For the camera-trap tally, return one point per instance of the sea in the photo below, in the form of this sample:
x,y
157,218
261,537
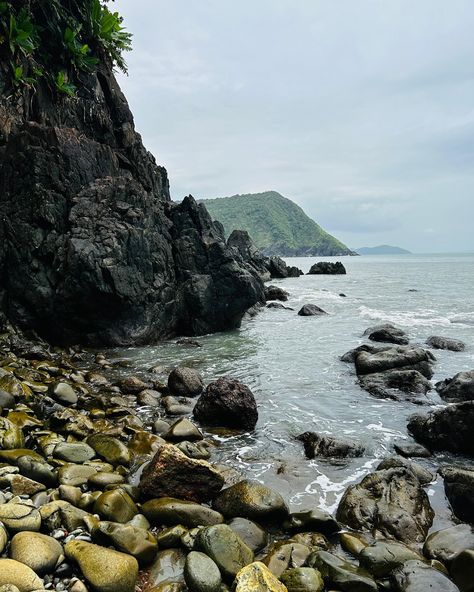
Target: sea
x,y
292,365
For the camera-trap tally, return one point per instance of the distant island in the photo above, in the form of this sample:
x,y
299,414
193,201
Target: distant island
x,y
382,250
276,224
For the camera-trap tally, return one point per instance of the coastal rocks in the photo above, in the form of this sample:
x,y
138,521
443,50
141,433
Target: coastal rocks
x,y
311,310
459,489
127,538
457,389
253,535
225,548
461,570
423,475
185,382
39,552
18,517
63,393
444,545
389,384
171,472
407,358
73,452
115,505
252,500
201,574
382,557
387,333
19,575
170,511
181,430
438,342
341,574
106,570
275,293
315,520
416,576
227,403
256,577
285,554
302,579
326,267
446,429
316,445
167,570
388,502
110,449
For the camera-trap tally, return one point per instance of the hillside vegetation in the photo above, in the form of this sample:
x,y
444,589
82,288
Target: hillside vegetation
x,y
276,224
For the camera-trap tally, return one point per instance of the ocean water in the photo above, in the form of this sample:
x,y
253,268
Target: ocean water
x,y
292,365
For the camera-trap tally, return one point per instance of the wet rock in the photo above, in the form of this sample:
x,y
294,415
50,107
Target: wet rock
x,y
104,479
11,436
382,557
19,575
311,310
416,576
251,499
171,511
160,427
387,333
445,544
115,505
459,489
132,385
279,306
37,470
423,475
188,342
390,502
316,445
171,537
7,401
39,552
275,293
185,382
183,429
225,548
172,472
457,389
446,429
313,540
20,485
341,574
410,449
227,403
284,555
168,568
105,570
110,449
178,405
354,542
302,579
351,355
438,342
395,358
127,538
462,570
389,384
253,535
74,452
193,450
63,393
201,574
312,520
256,577
75,475
18,517
327,267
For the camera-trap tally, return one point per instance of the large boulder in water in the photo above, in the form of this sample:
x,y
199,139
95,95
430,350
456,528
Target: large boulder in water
x,y
327,268
387,333
276,293
395,384
407,358
446,429
321,445
311,310
227,403
458,388
390,503
459,489
439,342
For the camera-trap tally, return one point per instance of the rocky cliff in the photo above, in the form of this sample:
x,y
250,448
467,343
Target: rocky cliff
x,y
92,249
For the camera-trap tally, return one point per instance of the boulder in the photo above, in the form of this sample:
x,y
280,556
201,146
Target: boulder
x,y
283,555
312,520
327,267
400,357
115,505
39,552
110,449
391,503
311,310
351,355
461,570
457,389
341,574
459,489
382,557
127,538
250,499
63,393
387,333
444,545
253,535
438,342
279,306
185,382
256,577
277,268
183,429
19,575
396,384
446,429
170,511
227,402
201,574
275,293
416,576
411,449
170,472
423,475
319,445
18,517
167,571
302,579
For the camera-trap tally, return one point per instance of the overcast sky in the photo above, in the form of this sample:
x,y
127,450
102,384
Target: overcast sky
x,y
360,111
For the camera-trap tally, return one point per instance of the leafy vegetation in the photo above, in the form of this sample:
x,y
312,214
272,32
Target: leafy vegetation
x,y
59,40
276,224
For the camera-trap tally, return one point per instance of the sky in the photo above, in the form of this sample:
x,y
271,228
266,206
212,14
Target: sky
x,y
361,111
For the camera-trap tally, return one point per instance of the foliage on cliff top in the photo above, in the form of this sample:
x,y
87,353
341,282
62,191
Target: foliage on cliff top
x,y
277,225
56,40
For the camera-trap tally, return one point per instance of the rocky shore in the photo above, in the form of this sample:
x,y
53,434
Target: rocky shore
x,y
107,483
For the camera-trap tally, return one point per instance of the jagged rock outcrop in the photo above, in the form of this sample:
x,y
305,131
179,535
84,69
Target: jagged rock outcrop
x,y
92,249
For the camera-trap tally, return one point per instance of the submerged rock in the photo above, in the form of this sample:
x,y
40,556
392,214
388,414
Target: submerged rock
x,y
275,293
406,358
387,333
457,389
327,267
438,342
311,310
329,447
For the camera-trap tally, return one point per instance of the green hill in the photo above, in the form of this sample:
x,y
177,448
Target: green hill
x,y
276,224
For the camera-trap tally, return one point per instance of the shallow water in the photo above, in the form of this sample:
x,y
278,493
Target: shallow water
x,y
292,365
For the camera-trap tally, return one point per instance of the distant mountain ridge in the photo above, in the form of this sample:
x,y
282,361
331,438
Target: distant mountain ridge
x,y
277,225
382,250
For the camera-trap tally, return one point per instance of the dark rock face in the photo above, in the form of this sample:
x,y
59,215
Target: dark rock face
x,y
389,502
459,488
387,333
227,403
446,429
326,267
326,446
457,389
438,342
91,247
276,293
311,310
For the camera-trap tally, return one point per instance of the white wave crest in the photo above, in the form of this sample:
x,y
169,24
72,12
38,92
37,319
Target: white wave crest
x,y
422,317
